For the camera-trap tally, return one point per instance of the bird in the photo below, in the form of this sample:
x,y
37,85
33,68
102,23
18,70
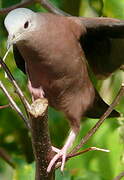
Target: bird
x,y
56,52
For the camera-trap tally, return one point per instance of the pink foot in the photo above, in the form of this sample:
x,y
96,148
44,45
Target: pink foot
x,y
62,153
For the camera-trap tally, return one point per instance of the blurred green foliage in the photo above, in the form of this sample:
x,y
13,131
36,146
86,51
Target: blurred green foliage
x,y
14,137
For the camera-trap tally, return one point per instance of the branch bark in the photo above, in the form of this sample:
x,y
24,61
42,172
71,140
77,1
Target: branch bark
x,y
40,139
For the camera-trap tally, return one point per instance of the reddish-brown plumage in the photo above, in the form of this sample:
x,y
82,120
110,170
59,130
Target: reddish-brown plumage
x,y
54,51
57,64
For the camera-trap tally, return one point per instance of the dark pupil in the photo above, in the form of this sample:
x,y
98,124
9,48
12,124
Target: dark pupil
x,y
26,25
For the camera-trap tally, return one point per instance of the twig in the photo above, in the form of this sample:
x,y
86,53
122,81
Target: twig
x,y
4,106
87,150
81,152
21,4
102,119
5,156
14,105
45,3
4,58
11,78
17,88
40,139
119,176
51,8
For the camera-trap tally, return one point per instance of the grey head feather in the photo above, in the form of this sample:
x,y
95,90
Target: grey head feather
x,y
18,22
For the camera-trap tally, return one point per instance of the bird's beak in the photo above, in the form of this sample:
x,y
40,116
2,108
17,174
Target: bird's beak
x,y
10,41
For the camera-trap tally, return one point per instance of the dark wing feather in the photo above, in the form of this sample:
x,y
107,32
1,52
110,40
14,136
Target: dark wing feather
x,y
19,59
103,44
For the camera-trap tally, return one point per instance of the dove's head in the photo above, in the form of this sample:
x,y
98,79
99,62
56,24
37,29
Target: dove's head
x,y
18,22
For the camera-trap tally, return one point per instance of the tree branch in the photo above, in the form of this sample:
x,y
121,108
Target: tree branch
x,y
39,129
14,105
19,5
51,8
100,122
4,106
87,150
45,3
17,88
5,156
40,139
40,134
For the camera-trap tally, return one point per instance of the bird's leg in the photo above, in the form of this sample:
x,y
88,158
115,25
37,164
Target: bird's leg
x,y
63,152
35,92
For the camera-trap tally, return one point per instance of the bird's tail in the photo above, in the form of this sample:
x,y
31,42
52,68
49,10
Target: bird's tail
x,y
99,107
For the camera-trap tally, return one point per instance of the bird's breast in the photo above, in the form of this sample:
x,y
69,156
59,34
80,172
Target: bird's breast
x,y
54,63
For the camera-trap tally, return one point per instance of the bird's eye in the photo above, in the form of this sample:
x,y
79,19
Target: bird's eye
x,y
26,25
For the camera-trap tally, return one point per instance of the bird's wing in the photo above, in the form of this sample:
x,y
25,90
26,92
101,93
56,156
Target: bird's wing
x,y
103,43
19,59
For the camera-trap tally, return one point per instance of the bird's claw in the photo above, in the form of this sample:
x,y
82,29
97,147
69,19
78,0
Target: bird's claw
x,y
60,154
